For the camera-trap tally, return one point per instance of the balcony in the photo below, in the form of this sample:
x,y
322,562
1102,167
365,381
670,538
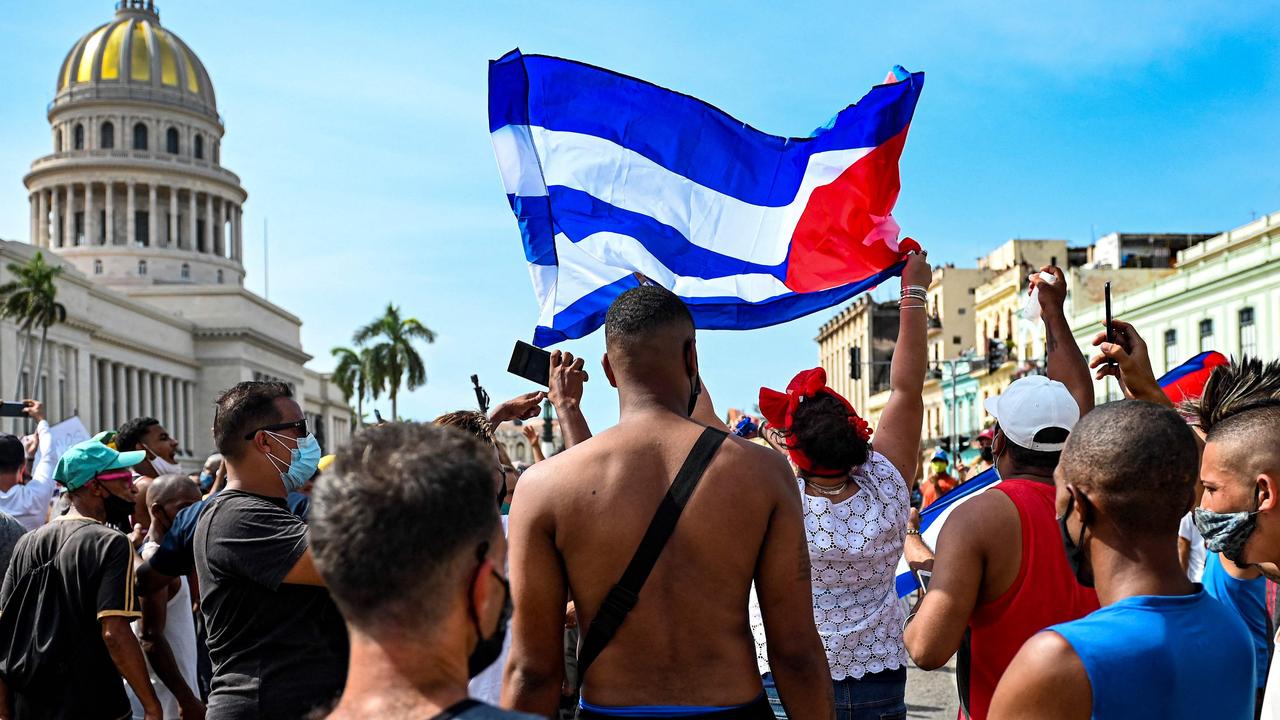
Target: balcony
x,y
934,323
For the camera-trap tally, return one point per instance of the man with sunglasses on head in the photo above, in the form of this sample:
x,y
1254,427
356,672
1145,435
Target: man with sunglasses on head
x,y
67,600
278,644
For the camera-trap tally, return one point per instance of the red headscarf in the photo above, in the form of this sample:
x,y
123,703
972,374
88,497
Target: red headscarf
x,y
780,410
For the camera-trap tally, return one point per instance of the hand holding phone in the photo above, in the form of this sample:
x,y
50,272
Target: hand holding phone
x,y
531,363
14,409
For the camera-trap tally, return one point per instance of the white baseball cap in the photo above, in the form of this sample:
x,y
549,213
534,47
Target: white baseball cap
x,y
1032,404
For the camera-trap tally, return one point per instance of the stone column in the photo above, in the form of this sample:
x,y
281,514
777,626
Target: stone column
x,y
170,404
191,219
180,402
238,231
110,394
155,407
110,238
134,404
55,222
153,220
130,230
52,388
69,223
144,394
208,222
93,407
188,393
34,209
90,216
173,218
42,219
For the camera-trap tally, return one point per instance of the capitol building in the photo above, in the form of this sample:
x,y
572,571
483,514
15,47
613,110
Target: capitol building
x,y
134,202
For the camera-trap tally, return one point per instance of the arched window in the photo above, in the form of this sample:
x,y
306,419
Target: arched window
x,y
1248,333
186,271
97,267
107,135
199,147
142,267
78,136
57,141
139,136
171,141
219,277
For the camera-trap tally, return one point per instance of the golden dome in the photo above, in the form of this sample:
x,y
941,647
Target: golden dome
x,y
132,57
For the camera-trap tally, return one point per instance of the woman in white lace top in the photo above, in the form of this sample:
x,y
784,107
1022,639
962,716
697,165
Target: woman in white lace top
x,y
856,500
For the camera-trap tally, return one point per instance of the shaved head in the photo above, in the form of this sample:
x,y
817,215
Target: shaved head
x,y
1137,461
168,488
642,315
1248,443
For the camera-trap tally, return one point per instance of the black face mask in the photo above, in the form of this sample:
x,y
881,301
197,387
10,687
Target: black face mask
x,y
987,456
489,648
1074,549
118,511
694,393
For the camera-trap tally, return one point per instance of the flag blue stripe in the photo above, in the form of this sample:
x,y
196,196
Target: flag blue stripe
x,y
1195,364
537,228
683,134
711,313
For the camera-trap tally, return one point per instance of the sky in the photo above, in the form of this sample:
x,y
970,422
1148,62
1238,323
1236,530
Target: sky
x,y
359,131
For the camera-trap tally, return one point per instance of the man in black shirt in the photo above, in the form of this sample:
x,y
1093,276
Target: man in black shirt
x,y
67,600
408,537
277,641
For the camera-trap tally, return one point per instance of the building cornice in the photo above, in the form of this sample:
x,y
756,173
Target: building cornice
x,y
141,165
250,335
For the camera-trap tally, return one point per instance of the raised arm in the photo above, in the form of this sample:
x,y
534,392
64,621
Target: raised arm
x,y
782,579
565,393
42,474
1066,362
1128,361
535,667
898,436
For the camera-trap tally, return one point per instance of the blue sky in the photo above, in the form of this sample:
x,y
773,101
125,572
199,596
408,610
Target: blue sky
x,y
359,130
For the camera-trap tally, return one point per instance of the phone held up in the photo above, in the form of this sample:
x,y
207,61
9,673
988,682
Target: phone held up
x,y
13,409
531,363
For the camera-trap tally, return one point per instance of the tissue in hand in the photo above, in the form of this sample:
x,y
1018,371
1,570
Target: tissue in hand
x,y
1031,311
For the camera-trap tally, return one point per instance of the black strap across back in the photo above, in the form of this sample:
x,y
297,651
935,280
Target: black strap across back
x,y
623,596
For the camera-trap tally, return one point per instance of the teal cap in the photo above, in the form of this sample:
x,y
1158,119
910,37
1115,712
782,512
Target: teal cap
x,y
84,460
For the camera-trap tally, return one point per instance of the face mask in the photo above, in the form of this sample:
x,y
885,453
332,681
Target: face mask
x,y
987,456
939,468
1075,551
1226,533
303,461
162,466
488,649
118,510
206,481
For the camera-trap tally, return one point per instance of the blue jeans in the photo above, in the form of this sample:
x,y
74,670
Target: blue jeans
x,y
879,696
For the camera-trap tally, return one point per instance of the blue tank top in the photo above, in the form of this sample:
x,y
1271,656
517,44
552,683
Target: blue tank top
x,y
1248,598
1156,656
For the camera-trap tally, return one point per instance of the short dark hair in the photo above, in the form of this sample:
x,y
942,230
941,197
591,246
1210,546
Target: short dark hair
x,y
405,508
1038,459
1138,460
12,453
468,421
637,313
129,436
242,409
821,429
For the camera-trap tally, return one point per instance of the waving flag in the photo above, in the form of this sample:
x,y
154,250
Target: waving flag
x,y
1185,381
612,178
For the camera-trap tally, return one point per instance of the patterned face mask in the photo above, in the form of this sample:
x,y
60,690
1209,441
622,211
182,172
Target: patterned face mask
x,y
1226,533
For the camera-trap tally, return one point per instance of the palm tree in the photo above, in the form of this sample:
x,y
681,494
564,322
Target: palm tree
x,y
394,359
30,299
357,375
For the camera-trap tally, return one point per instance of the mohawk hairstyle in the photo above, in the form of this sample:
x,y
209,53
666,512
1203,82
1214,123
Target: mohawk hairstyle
x,y
1249,384
468,421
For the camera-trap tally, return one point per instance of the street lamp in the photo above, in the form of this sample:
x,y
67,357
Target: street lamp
x,y
548,438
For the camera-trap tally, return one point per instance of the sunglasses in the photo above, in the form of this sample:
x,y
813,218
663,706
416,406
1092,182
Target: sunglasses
x,y
299,425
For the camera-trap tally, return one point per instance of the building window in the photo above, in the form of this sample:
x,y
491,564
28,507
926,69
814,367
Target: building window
x,y
78,137
219,277
955,339
107,136
962,311
186,271
1248,333
97,267
142,267
1170,350
1206,335
199,147
171,141
141,228
139,137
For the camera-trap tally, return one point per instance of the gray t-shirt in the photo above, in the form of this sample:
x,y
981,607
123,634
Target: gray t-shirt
x,y
10,531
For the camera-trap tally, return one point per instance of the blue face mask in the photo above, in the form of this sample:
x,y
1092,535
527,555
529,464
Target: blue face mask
x,y
303,461
206,481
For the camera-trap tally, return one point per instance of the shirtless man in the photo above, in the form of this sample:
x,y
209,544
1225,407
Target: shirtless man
x,y
579,517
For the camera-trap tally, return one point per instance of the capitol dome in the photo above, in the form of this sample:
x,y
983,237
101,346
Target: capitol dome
x,y
133,58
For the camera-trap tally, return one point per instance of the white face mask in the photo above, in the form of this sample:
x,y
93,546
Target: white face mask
x,y
162,466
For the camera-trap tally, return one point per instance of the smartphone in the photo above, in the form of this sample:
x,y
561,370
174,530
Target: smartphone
x,y
531,363
1106,299
923,577
13,409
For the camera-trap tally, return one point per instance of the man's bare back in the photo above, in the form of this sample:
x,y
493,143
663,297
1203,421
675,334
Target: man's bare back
x,y
577,521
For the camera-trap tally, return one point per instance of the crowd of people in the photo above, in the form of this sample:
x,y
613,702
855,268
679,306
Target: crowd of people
x,y
666,567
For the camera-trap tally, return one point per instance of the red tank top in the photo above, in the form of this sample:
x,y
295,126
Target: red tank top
x,y
1044,593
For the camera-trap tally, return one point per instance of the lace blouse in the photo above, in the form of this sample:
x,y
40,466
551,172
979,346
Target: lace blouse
x,y
854,548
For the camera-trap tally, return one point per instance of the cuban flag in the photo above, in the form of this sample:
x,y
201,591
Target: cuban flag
x,y
614,180
1183,382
